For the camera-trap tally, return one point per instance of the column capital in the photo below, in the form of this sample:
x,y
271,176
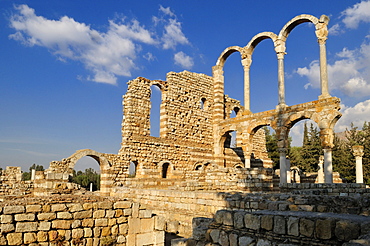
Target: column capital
x,y
246,62
282,150
358,150
321,32
327,138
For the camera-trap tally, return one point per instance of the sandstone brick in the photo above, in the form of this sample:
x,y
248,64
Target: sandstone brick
x,y
75,207
76,223
127,212
106,231
14,238
33,208
82,214
24,217
145,213
159,224
112,222
64,215
114,229
6,228
123,229
87,223
6,219
87,206
306,227
122,204
122,220
58,207
87,232
14,209
42,236
52,235
101,222
61,224
29,237
96,232
119,212
104,205
26,226
44,226
147,225
46,216
99,214
109,213
77,233
46,208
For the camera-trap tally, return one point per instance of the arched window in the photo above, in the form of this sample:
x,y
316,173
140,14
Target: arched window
x,y
203,104
165,167
132,169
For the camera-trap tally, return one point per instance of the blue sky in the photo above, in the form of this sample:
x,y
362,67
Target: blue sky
x,y
64,65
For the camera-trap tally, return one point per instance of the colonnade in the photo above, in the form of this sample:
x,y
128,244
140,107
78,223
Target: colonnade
x,y
326,130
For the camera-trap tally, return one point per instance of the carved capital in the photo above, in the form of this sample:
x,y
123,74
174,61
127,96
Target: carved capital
x,y
280,49
321,32
358,150
327,138
282,150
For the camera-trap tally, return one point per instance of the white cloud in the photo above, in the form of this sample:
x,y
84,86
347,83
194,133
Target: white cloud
x,y
356,115
335,30
183,60
360,12
350,73
149,56
166,11
173,35
107,55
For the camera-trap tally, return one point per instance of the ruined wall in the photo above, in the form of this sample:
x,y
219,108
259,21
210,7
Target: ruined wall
x,y
78,220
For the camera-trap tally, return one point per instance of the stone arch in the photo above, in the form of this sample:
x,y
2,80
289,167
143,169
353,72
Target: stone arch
x,y
290,25
226,53
249,48
165,168
105,166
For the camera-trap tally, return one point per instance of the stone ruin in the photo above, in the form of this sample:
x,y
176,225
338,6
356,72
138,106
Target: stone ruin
x,y
194,168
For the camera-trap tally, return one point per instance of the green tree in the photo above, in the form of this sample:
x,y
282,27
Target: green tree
x,y
85,178
343,160
27,175
311,149
272,148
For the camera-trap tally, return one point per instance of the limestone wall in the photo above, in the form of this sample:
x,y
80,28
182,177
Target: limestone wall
x,y
78,220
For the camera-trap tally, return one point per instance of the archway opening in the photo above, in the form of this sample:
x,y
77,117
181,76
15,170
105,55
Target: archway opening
x,y
263,77
302,67
165,169
306,149
203,104
234,77
155,110
132,169
271,146
87,173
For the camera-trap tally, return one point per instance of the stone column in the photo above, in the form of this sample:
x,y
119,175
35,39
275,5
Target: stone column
x,y
33,174
246,62
283,166
289,173
320,172
327,139
280,52
358,152
322,36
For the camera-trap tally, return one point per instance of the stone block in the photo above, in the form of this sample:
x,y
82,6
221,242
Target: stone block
x,y
159,223
134,225
224,238
29,237
306,227
87,223
44,226
77,233
347,230
42,236
14,209
104,205
145,213
228,218
64,215
88,232
293,226
172,226
14,238
52,235
135,210
99,214
239,219
127,212
33,208
244,241
6,219
82,214
324,228
267,222
252,221
87,206
106,231
61,224
122,204
114,229
58,207
97,231
112,222
101,222
123,229
24,217
109,213
26,226
75,207
46,216
279,225
6,228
